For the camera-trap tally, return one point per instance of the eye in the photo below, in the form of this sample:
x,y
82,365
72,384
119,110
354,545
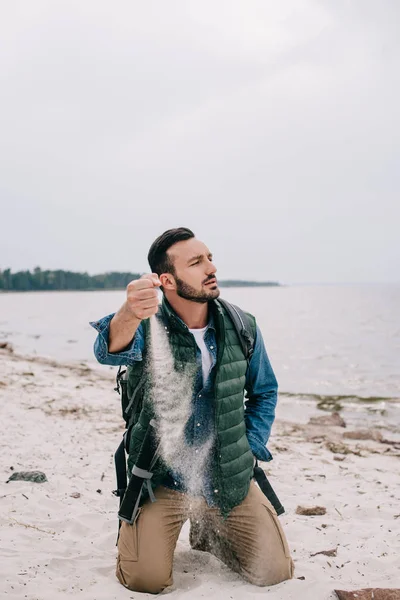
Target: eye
x,y
195,263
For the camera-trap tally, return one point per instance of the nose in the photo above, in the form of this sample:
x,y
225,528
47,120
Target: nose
x,y
211,268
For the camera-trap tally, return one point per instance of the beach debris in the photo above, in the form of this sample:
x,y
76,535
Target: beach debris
x,y
28,526
370,594
339,513
75,495
364,434
302,578
98,491
316,439
28,374
6,346
310,511
73,411
329,403
34,476
395,443
332,552
339,448
334,420
339,458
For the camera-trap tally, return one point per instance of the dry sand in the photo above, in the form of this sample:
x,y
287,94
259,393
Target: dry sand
x,y
64,420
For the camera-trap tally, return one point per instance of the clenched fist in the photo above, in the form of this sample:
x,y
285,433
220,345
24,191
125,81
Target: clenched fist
x,y
142,296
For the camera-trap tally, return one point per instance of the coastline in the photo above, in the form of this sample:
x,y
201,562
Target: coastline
x,y
64,419
223,284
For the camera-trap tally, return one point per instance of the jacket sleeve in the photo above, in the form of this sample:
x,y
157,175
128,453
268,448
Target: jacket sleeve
x,y
132,353
261,399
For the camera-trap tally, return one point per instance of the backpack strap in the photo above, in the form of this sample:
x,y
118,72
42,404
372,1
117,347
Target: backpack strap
x,y
242,325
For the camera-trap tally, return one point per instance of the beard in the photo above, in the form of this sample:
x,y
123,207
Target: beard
x,y
184,290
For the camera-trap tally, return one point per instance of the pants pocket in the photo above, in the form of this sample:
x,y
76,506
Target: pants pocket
x,y
279,530
128,541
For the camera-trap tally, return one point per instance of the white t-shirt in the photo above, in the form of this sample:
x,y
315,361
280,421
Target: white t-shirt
x,y
206,356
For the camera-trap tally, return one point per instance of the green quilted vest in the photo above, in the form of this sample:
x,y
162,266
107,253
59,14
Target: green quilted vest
x,y
234,460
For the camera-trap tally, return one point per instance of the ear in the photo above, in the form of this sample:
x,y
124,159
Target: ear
x,y
167,281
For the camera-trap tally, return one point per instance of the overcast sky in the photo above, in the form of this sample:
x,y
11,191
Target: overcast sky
x,y
271,129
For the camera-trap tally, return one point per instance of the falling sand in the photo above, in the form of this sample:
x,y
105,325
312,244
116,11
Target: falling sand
x,y
172,392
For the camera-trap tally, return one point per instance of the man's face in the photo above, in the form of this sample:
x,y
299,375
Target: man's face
x,y
194,271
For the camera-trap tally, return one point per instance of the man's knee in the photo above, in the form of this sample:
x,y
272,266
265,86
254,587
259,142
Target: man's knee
x,y
143,579
267,574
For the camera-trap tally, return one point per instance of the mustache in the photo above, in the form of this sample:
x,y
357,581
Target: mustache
x,y
210,278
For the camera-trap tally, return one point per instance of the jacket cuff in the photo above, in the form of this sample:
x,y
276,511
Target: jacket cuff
x,y
131,353
260,451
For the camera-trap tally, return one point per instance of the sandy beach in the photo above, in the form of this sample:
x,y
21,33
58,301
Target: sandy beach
x,y
58,537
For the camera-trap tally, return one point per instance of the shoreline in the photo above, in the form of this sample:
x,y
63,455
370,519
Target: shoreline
x,y
327,401
59,537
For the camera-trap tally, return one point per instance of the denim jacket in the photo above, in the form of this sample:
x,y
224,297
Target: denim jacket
x,y
261,386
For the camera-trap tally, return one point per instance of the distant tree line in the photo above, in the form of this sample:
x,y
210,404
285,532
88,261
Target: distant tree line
x,y
25,281
244,283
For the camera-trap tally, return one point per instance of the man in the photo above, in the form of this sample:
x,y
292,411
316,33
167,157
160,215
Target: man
x,y
231,517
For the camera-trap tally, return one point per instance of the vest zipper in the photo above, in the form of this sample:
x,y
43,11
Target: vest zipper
x,y
220,352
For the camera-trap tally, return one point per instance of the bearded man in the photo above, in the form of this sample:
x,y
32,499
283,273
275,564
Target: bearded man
x,y
230,516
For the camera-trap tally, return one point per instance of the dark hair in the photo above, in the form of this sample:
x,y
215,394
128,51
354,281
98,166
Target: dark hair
x,y
158,258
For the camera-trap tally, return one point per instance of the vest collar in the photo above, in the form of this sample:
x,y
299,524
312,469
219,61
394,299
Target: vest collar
x,y
176,322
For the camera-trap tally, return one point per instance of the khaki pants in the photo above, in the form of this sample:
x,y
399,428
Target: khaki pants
x,y
250,541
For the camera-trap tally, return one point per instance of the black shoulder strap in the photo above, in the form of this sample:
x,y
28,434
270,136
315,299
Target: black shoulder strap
x,y
242,326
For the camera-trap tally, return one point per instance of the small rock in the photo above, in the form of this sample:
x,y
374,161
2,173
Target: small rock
x,y
339,458
6,346
281,449
310,511
302,578
75,495
34,476
334,420
98,491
